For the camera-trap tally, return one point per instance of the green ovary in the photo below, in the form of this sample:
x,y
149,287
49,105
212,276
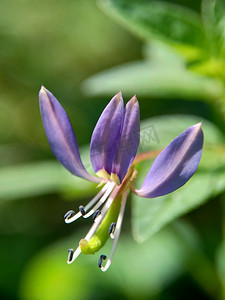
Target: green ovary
x,y
98,240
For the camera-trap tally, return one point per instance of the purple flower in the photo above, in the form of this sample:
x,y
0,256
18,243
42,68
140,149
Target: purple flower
x,y
113,147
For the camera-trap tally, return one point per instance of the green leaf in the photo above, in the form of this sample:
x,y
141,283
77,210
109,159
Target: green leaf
x,y
146,78
134,263
161,54
212,13
221,265
41,178
209,22
150,215
220,18
44,177
159,20
220,255
158,132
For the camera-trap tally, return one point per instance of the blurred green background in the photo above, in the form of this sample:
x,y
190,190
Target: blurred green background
x,y
172,56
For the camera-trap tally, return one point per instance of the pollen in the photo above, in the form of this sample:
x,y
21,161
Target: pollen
x,y
115,178
103,174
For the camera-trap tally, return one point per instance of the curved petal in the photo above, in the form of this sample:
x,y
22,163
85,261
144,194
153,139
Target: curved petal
x,y
129,140
175,165
106,135
60,135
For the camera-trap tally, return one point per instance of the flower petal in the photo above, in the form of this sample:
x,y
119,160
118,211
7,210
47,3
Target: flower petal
x,y
60,135
175,165
129,140
106,135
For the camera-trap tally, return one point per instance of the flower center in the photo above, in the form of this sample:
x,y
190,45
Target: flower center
x,y
107,221
101,235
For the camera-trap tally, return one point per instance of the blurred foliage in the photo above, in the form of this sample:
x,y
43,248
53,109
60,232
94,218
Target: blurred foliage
x,y
126,277
43,178
154,78
51,43
195,41
78,52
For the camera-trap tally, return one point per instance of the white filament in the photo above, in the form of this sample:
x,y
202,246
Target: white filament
x,y
103,212
90,204
102,200
116,233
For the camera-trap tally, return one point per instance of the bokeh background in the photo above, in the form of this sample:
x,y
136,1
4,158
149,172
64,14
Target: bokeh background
x,y
172,56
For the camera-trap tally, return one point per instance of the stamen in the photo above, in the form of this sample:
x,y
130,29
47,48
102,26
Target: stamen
x,y
110,187
88,206
69,215
74,255
101,258
82,210
112,229
70,255
95,199
96,214
117,232
104,211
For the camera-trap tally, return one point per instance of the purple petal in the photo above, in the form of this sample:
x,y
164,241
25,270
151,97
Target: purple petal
x,y
106,135
60,135
175,165
129,140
